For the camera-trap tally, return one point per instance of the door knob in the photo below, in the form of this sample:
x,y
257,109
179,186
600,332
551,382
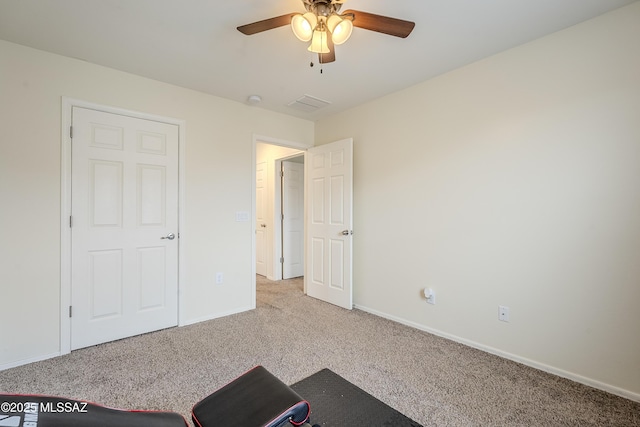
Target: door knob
x,y
169,236
346,232
263,225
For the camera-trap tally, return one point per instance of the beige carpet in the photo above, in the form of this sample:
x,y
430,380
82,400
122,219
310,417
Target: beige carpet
x,y
430,379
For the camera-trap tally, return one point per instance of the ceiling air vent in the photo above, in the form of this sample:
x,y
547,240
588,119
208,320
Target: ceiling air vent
x,y
308,103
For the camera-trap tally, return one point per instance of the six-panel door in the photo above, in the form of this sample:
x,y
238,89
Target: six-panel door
x,y
124,278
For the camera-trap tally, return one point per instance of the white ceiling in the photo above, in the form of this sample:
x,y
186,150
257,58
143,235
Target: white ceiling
x,y
195,44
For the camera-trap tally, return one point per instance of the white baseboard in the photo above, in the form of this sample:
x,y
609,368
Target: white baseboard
x,y
216,315
528,362
21,362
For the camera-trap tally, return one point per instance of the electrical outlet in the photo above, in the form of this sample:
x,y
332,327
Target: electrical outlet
x,y
219,278
503,313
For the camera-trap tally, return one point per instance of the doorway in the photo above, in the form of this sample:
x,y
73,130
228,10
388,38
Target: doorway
x,y
279,213
328,222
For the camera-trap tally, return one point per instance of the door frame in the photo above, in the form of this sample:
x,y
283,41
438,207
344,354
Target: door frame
x,y
65,206
273,141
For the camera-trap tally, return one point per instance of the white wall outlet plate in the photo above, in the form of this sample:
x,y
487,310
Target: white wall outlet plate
x,y
503,313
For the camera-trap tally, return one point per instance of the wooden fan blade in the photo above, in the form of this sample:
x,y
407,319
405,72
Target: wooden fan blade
x,y
266,24
381,24
325,58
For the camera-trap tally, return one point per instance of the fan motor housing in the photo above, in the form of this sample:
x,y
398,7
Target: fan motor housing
x,y
322,7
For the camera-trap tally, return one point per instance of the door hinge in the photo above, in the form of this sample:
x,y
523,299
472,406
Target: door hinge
x,y
71,132
70,221
70,311
281,260
281,173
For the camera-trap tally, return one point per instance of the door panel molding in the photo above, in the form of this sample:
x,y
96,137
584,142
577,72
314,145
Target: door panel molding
x,y
149,142
262,217
329,206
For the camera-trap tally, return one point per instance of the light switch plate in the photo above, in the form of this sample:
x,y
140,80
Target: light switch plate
x,y
242,216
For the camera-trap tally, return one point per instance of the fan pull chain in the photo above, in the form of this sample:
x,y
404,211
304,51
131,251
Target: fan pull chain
x,y
311,64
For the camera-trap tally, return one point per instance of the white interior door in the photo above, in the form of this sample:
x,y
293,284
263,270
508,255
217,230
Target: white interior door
x,y
124,244
261,218
329,187
292,219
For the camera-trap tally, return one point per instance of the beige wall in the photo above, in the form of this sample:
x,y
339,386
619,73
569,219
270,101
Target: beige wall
x,y
219,173
512,181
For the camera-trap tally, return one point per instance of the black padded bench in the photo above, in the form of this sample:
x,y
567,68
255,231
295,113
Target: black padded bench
x,y
255,399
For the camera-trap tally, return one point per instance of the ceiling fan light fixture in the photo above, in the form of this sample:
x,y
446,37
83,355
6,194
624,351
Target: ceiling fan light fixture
x,y
303,25
340,28
319,42
323,26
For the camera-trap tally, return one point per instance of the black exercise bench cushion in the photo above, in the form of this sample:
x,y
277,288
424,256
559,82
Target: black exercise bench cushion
x,y
20,410
255,399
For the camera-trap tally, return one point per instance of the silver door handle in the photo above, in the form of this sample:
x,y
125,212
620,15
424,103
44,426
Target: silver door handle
x,y
263,225
347,232
169,236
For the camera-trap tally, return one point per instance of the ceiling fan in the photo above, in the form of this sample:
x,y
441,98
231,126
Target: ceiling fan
x,y
325,27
